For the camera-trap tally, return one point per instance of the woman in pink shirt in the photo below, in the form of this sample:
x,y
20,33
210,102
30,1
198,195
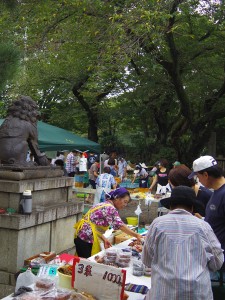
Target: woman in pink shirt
x,y
91,228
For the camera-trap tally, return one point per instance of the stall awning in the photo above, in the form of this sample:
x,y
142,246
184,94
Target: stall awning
x,y
52,138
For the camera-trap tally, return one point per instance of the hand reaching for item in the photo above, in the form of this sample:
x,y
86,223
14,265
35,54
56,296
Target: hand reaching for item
x,y
139,237
107,244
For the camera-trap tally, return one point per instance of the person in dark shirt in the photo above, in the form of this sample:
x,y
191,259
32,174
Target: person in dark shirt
x,y
179,176
161,178
211,176
60,163
113,166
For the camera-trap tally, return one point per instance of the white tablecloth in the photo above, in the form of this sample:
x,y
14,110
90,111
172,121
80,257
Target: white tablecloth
x,y
130,278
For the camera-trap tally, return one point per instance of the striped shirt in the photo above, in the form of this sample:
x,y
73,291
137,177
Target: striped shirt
x,y
181,250
70,163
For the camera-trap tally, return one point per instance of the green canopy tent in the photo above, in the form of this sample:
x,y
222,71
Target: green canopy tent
x,y
52,138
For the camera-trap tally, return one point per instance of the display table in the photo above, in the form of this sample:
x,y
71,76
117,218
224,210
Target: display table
x,y
130,278
148,201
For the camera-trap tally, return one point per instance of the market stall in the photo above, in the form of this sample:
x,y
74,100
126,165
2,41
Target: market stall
x,y
148,199
144,281
138,283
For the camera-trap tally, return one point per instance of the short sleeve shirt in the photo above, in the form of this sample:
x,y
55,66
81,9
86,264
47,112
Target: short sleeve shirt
x,y
93,168
162,177
104,216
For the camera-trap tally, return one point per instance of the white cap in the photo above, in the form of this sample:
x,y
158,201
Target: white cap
x,y
202,163
27,193
143,165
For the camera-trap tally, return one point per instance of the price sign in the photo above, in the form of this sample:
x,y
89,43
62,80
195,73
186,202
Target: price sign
x,y
48,270
102,281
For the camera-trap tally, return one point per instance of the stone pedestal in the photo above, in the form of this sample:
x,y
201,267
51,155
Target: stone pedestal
x,y
50,229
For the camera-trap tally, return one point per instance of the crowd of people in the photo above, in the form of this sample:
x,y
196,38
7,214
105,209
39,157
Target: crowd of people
x,y
184,247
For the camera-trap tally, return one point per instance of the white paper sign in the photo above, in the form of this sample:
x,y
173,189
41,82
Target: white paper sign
x,y
101,281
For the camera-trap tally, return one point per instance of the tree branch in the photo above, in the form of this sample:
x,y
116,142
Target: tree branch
x,y
55,24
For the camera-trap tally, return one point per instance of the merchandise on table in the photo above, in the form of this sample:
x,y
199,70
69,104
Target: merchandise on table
x,y
121,238
124,258
147,271
65,276
135,288
138,268
39,258
118,258
56,294
138,195
44,284
136,245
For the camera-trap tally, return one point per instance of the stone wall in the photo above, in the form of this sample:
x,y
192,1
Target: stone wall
x,y
149,213
50,229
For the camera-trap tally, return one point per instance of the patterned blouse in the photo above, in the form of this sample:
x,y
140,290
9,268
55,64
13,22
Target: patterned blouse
x,y
104,216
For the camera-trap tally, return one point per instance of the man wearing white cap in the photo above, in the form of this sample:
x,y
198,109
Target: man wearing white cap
x,y
211,176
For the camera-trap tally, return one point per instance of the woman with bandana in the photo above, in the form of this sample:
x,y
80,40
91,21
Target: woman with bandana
x,y
89,231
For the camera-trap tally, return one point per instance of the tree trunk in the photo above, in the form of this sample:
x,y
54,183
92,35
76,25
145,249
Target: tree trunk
x,y
91,113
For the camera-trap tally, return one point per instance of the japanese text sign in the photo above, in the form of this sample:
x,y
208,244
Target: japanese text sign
x,y
101,281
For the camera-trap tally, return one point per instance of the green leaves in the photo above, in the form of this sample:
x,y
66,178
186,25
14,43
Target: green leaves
x,y
139,72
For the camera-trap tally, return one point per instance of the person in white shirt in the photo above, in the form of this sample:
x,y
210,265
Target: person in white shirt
x,y
104,183
83,162
122,168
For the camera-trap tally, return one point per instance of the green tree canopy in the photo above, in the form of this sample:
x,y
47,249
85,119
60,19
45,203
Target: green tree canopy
x,y
146,75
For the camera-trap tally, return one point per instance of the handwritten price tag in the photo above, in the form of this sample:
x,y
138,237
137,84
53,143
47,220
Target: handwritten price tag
x,y
114,278
102,281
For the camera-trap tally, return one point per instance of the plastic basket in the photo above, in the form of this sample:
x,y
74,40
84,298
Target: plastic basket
x,y
132,221
117,179
123,184
143,190
79,178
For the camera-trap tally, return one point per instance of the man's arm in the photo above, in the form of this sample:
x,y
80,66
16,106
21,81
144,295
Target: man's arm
x,y
149,245
215,256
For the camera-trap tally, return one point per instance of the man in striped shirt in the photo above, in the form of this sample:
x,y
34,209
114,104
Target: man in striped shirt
x,y
181,250
71,163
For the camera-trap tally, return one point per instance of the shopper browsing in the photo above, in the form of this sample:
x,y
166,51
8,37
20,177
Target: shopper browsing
x,y
142,176
181,250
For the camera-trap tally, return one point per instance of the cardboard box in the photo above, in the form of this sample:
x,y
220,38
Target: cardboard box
x,y
121,238
47,256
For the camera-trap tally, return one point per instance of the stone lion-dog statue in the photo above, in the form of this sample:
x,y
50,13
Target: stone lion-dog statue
x,y
18,134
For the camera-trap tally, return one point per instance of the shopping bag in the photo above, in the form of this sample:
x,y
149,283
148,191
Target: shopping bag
x,y
98,193
101,281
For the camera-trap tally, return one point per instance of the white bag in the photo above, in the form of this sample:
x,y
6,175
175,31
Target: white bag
x,y
163,189
101,281
25,279
100,190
